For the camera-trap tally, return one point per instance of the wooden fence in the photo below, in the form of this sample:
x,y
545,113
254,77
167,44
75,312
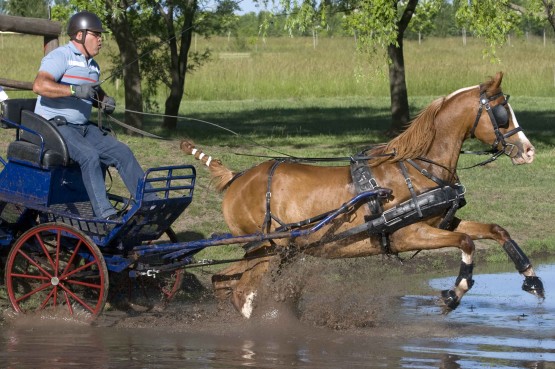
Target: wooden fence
x,y
50,30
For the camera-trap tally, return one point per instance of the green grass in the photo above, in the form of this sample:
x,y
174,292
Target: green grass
x,y
292,68
284,96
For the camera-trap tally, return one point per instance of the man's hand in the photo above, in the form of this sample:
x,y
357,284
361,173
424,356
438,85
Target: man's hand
x,y
108,104
86,91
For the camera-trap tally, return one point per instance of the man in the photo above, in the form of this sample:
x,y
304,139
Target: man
x,y
68,87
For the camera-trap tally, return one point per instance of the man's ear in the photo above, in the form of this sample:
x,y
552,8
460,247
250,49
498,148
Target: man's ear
x,y
79,35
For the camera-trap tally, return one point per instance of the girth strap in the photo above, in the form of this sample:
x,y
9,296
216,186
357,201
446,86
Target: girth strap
x,y
411,187
267,224
364,180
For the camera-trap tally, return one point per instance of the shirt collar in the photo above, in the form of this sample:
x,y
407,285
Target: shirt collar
x,y
74,48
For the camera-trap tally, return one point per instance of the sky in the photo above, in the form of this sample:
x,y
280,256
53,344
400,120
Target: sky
x,y
248,6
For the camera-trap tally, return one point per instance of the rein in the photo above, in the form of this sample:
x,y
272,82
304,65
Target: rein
x,y
493,113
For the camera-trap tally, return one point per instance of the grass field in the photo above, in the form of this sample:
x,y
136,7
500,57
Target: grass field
x,y
285,96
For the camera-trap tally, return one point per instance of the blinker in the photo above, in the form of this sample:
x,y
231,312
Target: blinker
x,y
501,116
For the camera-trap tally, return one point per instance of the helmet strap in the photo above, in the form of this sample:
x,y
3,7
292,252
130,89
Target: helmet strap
x,y
82,41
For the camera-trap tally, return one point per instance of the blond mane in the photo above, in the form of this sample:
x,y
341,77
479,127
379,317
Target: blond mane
x,y
416,139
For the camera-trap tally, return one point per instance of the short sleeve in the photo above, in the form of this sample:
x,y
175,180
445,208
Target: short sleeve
x,y
55,63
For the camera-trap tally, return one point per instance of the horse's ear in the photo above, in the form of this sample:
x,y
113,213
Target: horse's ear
x,y
497,80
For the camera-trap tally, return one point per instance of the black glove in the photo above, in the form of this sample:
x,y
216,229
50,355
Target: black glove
x,y
108,105
86,91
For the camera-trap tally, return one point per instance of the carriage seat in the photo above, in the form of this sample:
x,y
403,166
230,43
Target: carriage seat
x,y
11,110
27,147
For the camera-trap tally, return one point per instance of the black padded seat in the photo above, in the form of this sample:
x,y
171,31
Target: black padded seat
x,y
28,147
11,109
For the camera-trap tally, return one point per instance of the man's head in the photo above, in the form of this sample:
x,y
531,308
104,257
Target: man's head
x,y
85,28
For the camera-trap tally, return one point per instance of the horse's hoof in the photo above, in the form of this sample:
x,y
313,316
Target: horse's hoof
x,y
534,286
450,301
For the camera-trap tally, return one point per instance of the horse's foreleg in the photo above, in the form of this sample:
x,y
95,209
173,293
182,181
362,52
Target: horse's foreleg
x,y
477,231
240,282
424,237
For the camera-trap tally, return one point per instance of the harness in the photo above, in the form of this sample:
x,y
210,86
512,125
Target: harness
x,y
499,119
443,200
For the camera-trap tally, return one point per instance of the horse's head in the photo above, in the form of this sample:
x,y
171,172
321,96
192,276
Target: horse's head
x,y
496,124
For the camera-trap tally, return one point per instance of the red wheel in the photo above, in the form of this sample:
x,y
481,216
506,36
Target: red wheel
x,y
57,267
147,291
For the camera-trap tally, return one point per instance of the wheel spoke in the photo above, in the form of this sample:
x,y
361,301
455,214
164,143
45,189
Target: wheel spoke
x,y
73,255
35,264
68,303
76,298
30,276
51,294
35,291
73,272
46,253
84,284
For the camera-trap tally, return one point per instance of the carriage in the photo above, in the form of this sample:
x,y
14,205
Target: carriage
x,y
57,255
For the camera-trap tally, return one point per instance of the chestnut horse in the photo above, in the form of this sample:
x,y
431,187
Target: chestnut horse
x,y
278,193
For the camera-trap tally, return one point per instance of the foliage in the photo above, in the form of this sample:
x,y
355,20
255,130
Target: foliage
x,y
26,8
164,51
490,19
423,21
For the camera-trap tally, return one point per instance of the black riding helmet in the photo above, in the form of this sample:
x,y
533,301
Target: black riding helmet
x,y
84,21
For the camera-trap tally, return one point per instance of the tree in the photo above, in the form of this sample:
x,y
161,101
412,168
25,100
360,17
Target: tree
x,y
549,6
154,39
423,21
118,17
26,8
380,25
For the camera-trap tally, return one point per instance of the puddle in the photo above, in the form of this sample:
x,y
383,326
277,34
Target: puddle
x,y
496,326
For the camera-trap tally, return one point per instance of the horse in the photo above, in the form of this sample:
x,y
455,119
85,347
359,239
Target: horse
x,y
416,211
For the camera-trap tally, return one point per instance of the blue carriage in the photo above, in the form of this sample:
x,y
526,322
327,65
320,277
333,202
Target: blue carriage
x,y
55,252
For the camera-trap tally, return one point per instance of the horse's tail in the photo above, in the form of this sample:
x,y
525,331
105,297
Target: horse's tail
x,y
220,174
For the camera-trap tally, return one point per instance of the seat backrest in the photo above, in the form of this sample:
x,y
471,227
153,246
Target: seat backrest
x,y
11,109
53,140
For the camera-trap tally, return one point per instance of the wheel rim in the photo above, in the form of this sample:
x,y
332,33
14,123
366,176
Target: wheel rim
x,y
56,267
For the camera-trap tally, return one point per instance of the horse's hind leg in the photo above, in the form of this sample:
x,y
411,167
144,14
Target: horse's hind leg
x,y
477,231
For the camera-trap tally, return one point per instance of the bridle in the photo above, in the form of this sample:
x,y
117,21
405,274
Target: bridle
x,y
499,118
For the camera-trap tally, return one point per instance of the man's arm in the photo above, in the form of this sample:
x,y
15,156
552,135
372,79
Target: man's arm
x,y
46,85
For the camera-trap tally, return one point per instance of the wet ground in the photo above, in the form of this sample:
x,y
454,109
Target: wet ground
x,y
319,314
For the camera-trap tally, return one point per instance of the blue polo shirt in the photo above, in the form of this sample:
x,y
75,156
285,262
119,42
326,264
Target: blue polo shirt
x,y
68,66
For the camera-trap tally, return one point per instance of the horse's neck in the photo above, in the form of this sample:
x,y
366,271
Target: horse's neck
x,y
444,152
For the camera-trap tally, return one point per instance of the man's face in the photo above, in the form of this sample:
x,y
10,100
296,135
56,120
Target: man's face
x,y
93,42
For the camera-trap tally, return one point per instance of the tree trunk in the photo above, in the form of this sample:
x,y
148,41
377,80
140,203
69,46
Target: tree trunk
x,y
179,60
400,113
549,6
131,72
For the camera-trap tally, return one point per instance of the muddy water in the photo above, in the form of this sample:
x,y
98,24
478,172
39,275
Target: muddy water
x,y
497,325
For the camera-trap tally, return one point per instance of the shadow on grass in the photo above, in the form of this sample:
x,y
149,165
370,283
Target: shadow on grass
x,y
371,123
278,123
